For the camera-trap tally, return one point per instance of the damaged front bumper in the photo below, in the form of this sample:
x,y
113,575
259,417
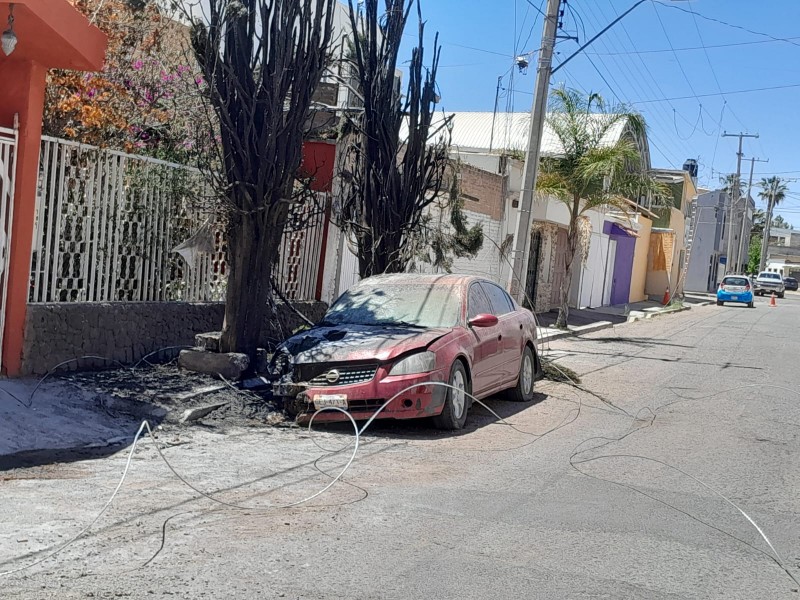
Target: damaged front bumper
x,y
419,400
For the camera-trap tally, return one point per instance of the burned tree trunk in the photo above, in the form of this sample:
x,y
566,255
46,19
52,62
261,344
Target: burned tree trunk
x,y
262,61
395,153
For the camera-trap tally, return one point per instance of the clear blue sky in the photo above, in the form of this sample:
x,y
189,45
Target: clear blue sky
x,y
636,62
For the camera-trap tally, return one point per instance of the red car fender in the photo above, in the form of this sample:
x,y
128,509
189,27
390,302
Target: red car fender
x,y
451,347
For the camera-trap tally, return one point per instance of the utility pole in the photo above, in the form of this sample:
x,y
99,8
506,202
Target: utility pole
x,y
531,171
735,196
746,199
768,224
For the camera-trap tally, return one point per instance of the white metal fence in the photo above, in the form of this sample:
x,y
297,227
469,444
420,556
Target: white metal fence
x,y
107,222
8,169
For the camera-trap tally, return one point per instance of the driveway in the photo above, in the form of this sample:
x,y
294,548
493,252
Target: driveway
x,y
624,492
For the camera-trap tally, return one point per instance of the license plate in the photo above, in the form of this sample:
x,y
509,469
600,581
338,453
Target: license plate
x,y
734,297
330,400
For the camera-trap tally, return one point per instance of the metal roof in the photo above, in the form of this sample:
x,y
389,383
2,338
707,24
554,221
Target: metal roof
x,y
478,131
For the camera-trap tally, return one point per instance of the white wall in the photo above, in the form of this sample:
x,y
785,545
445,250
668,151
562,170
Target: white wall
x,y
593,279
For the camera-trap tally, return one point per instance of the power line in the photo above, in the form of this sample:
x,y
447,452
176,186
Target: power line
x,y
729,93
675,54
648,75
692,48
633,81
732,25
541,12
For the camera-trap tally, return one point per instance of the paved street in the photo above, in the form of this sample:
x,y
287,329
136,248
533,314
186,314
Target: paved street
x,y
584,501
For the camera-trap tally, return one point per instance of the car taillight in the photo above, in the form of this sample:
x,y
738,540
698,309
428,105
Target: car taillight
x,y
747,288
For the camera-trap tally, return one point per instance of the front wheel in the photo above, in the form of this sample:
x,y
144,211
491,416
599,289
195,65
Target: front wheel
x,y
523,391
719,302
781,295
456,402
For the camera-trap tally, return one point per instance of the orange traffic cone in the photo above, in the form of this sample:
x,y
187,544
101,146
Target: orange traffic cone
x,y
665,300
772,300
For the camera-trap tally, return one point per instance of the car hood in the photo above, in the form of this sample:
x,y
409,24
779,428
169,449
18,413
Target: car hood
x,y
346,343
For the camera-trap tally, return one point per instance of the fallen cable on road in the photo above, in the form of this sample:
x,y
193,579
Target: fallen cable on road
x,y
355,444
574,461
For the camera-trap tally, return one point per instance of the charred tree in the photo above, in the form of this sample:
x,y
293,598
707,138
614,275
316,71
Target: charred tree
x,y
394,153
262,61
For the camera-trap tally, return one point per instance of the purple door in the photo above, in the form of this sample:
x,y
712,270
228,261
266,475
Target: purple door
x,y
623,263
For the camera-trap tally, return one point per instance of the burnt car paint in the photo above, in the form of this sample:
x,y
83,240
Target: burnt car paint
x,y
309,357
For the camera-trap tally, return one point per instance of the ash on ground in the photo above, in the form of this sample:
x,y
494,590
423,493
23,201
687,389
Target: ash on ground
x,y
177,390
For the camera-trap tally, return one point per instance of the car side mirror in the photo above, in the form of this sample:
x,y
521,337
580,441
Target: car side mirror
x,y
483,320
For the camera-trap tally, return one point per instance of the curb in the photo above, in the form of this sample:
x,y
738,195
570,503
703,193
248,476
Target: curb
x,y
575,331
659,313
600,325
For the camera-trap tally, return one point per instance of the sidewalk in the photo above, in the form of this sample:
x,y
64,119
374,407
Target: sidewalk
x,y
586,320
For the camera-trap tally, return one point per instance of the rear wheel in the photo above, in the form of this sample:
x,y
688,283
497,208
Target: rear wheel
x,y
750,305
719,302
456,402
523,391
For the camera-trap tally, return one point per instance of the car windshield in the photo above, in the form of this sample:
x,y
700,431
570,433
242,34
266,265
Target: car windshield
x,y
735,281
415,305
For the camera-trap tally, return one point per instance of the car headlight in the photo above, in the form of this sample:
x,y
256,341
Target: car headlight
x,y
422,362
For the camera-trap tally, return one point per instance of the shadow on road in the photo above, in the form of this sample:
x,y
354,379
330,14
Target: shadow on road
x,y
424,429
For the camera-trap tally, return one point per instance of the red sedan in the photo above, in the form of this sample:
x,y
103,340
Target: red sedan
x,y
391,332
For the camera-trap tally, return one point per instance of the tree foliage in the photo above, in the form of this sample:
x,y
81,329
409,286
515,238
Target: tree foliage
x,y
595,167
444,233
395,155
145,100
754,253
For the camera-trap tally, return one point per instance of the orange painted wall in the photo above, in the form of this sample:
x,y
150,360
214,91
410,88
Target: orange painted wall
x,y
22,93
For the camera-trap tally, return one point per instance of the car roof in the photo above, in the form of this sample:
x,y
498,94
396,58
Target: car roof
x,y
445,279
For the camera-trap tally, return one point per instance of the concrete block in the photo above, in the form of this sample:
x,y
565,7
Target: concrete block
x,y
229,365
208,341
198,412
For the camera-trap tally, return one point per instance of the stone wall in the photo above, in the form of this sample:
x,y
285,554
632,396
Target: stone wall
x,y
127,331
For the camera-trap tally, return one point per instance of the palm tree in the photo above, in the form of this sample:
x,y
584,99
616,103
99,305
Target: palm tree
x,y
772,186
759,219
773,192
589,172
730,184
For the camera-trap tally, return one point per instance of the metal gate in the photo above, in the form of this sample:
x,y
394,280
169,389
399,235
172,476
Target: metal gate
x,y
8,168
533,270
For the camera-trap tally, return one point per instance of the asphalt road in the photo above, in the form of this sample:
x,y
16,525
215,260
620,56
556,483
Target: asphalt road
x,y
628,492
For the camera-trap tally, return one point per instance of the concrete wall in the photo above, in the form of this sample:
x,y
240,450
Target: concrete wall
x,y
658,278
127,331
639,272
707,241
678,225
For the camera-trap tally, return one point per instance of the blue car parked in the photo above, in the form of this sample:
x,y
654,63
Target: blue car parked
x,y
735,288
